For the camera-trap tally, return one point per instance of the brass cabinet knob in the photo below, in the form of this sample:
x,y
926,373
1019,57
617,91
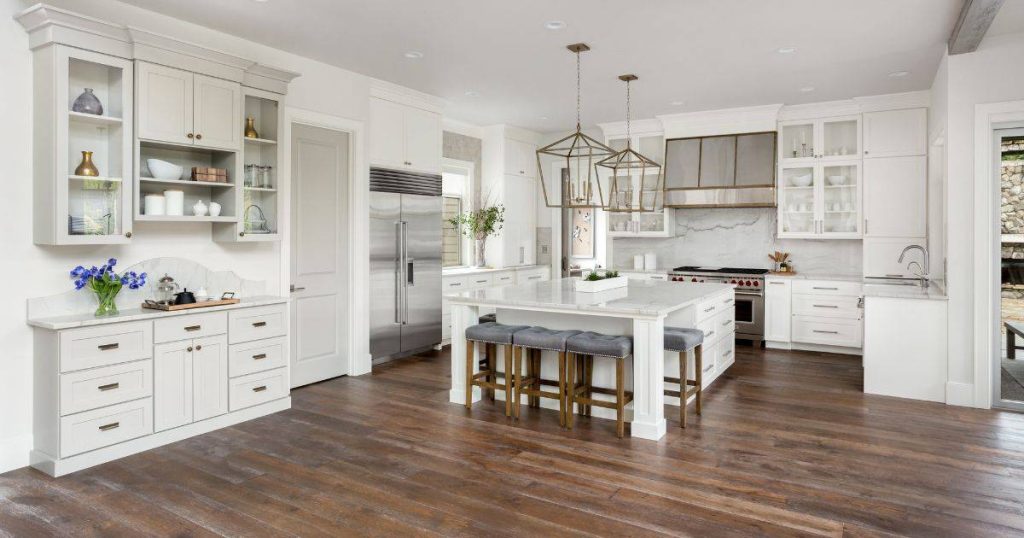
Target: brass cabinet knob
x,y
199,137
128,235
189,349
241,234
199,348
190,136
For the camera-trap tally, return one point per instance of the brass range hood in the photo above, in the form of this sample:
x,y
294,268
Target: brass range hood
x,y
731,170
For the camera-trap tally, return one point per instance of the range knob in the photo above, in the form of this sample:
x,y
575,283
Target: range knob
x,y
733,281
756,283
694,279
749,284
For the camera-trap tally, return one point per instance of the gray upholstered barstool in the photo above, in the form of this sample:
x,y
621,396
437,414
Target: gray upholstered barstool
x,y
683,341
534,341
490,333
590,345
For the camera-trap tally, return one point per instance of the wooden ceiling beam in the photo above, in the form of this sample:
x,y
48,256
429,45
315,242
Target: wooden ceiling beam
x,y
975,18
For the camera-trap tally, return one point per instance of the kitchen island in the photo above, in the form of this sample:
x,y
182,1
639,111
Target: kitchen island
x,y
643,310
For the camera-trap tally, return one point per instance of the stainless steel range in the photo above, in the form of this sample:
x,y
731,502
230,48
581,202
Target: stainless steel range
x,y
749,285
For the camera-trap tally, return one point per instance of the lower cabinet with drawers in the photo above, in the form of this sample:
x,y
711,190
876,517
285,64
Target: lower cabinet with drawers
x,y
105,389
467,281
814,314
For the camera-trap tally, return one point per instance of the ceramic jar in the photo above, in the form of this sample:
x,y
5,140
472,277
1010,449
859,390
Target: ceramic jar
x,y
199,209
88,103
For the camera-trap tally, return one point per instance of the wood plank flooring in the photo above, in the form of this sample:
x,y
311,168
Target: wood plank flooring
x,y
787,446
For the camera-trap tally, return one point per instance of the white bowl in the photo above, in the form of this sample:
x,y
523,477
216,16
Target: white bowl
x,y
802,181
163,169
836,180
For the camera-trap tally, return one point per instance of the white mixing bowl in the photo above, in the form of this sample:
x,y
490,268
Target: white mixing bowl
x,y
163,169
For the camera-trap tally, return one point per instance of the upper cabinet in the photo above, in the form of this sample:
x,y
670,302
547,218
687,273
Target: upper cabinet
x,y
895,196
404,137
181,107
837,138
647,223
82,146
896,133
520,158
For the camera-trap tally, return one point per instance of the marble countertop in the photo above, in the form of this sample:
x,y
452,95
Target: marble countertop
x,y
934,292
136,314
638,299
820,276
459,271
649,271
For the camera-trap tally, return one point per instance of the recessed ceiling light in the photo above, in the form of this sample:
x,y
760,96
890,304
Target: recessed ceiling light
x,y
786,50
898,74
676,103
414,55
471,93
554,25
543,117
807,89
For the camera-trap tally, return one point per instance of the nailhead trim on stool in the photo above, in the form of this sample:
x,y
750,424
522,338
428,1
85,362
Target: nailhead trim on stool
x,y
585,347
490,333
538,339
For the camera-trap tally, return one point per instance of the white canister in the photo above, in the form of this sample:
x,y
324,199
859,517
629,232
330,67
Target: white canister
x,y
650,261
175,202
638,262
154,204
199,209
214,209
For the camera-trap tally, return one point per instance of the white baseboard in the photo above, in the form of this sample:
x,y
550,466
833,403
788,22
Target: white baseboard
x,y
961,394
14,453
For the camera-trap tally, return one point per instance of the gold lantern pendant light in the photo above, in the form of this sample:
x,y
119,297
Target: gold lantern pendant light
x,y
579,184
627,163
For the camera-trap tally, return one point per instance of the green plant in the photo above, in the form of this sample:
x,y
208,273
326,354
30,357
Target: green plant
x,y
594,275
611,274
480,224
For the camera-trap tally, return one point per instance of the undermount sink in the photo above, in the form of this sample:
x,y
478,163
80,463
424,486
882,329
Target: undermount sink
x,y
896,282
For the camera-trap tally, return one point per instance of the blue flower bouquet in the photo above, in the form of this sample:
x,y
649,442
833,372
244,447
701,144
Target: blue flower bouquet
x,y
106,284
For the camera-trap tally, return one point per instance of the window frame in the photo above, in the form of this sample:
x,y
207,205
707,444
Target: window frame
x,y
465,193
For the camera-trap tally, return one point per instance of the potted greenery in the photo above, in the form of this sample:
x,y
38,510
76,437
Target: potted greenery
x,y
479,225
600,281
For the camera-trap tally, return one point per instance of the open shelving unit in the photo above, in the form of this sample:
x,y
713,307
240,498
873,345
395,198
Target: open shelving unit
x,y
187,157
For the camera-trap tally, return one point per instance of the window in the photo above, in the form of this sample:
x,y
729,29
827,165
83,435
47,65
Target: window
x,y
456,193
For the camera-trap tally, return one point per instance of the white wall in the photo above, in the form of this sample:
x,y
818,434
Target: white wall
x,y
38,271
986,76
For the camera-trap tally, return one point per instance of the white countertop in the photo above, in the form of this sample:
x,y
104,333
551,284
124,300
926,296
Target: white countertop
x,y
934,292
820,276
459,271
659,271
638,299
137,314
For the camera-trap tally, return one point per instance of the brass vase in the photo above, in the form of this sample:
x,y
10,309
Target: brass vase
x,y
250,128
87,168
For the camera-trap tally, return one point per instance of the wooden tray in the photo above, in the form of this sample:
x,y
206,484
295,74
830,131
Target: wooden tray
x,y
201,304
782,273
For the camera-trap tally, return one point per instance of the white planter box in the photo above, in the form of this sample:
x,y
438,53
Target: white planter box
x,y
591,286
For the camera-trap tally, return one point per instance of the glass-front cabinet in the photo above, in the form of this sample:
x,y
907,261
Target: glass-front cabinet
x,y
641,224
826,139
820,200
83,148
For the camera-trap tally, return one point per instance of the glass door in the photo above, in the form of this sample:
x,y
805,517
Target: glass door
x,y
798,204
841,199
840,138
798,142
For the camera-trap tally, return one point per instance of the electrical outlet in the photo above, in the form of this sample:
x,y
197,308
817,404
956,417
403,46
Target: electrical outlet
x,y
543,249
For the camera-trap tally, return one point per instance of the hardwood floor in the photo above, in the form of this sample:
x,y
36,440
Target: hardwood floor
x,y
787,445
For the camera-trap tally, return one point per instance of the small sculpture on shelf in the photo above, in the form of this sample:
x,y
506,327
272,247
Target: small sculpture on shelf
x,y
87,168
88,103
250,128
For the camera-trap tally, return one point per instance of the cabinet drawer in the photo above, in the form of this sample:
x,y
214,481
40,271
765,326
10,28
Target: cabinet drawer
x,y
258,356
718,326
190,326
254,389
829,332
478,281
503,279
105,426
709,360
827,306
454,284
827,287
98,387
541,274
726,355
90,347
256,323
712,306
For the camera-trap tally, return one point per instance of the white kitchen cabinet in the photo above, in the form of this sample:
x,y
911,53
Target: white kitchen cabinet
x,y
645,223
182,107
404,137
777,310
520,158
518,234
820,200
895,133
895,196
172,391
210,377
905,351
821,139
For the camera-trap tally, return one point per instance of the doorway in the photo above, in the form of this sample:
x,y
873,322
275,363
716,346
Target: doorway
x,y
319,257
1009,169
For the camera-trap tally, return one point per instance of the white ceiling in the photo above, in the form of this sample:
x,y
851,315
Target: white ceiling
x,y
706,53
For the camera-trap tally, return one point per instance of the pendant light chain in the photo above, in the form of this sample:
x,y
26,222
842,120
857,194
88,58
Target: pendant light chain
x,y
628,137
578,89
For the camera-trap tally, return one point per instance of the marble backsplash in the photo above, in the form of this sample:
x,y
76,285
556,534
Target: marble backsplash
x,y
739,237
187,274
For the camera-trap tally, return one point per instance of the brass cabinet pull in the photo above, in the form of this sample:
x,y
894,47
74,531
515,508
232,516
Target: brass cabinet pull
x,y
259,324
192,328
824,288
709,309
109,386
708,368
108,347
260,388
726,322
826,332
260,356
727,353
533,277
111,426
826,306
453,284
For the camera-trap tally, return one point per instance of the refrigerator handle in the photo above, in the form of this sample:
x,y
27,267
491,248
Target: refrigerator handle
x,y
410,271
399,251
407,267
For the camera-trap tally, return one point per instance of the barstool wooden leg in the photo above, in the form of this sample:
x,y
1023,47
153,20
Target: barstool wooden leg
x,y
620,397
517,359
561,388
508,380
588,378
491,351
469,374
698,362
683,388
570,390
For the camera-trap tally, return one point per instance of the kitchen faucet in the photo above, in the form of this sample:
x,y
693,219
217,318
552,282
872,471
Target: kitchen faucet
x,y
922,274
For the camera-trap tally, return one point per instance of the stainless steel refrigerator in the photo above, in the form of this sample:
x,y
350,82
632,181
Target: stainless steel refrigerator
x,y
405,262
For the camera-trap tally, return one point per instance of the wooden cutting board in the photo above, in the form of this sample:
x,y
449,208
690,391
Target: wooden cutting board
x,y
200,304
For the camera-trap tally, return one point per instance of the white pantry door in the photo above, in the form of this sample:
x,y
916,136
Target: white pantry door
x,y
319,253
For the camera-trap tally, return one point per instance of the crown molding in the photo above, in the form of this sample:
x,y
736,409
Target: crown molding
x,y
649,126
48,25
823,109
461,127
390,91
894,101
720,122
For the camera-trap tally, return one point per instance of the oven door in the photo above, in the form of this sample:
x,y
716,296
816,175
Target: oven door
x,y
749,316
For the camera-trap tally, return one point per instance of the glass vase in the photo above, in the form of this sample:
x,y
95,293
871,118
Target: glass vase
x,y
107,302
481,260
